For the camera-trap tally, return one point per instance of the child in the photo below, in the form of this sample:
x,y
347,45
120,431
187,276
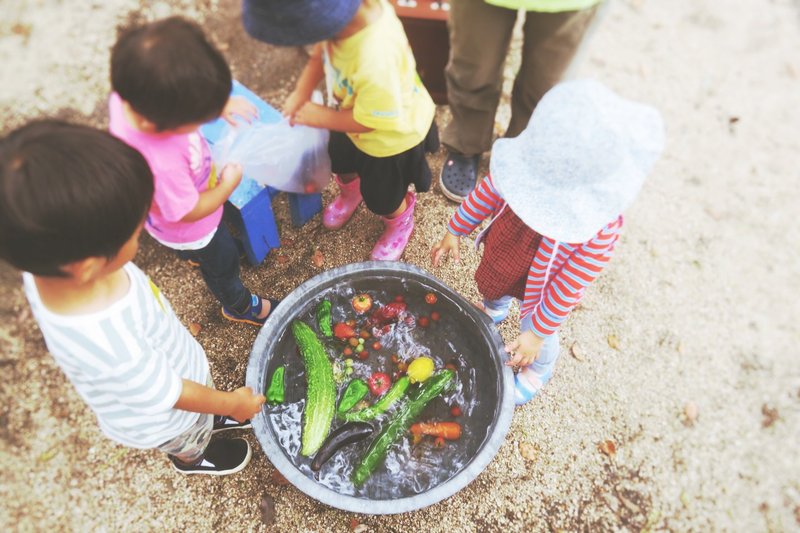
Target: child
x,y
168,80
72,203
383,120
556,193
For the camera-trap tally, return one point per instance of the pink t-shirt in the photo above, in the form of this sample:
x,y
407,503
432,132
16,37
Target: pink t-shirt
x,y
181,166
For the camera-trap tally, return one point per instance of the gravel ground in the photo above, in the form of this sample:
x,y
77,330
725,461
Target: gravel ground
x,y
689,339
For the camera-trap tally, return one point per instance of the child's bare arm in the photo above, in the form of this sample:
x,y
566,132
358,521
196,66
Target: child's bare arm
x,y
210,200
319,116
309,79
240,404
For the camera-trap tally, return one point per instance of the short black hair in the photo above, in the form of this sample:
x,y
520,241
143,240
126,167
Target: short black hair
x,y
68,192
170,73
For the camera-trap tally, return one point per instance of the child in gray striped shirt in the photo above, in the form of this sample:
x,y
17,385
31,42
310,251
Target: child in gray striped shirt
x,y
72,204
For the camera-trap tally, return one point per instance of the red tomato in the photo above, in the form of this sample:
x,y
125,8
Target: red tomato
x,y
347,352
376,346
455,410
431,298
363,354
343,331
379,383
435,316
399,299
439,442
423,321
364,334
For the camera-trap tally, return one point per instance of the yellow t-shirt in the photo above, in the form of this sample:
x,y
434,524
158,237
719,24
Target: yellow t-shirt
x,y
373,72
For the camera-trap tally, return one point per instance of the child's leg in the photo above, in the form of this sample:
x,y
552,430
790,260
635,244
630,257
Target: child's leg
x,y
344,164
532,378
188,447
497,309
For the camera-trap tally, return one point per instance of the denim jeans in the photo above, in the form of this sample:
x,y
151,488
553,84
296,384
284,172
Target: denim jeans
x,y
219,264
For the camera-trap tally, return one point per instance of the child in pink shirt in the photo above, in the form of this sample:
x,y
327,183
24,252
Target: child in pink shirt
x,y
168,80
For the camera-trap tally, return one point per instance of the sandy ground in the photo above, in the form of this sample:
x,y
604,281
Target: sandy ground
x,y
697,312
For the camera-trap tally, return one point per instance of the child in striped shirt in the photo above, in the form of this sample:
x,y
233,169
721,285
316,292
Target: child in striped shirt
x,y
555,194
72,204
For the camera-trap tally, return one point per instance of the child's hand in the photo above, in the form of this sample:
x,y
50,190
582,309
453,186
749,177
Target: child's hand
x,y
448,245
293,104
247,404
239,107
231,175
524,349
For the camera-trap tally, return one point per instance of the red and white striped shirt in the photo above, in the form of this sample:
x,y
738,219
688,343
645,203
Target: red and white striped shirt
x,y
559,272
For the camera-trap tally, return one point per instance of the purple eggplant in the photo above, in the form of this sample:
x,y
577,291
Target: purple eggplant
x,y
345,434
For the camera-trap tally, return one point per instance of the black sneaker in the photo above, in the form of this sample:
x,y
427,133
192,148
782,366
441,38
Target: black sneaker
x,y
222,456
224,423
459,175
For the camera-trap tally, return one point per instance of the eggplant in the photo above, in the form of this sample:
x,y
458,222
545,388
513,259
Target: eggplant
x,y
345,434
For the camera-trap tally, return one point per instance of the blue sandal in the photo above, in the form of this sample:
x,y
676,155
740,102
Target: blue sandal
x,y
459,175
250,316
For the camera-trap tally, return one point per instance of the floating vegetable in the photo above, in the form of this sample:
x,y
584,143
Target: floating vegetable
x,y
275,391
420,369
455,410
353,393
388,312
348,433
445,430
343,331
430,298
362,303
387,400
399,423
324,318
379,382
424,321
320,389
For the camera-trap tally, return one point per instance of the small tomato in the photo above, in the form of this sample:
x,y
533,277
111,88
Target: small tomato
x,y
379,383
423,321
376,345
363,354
362,303
455,410
435,316
430,298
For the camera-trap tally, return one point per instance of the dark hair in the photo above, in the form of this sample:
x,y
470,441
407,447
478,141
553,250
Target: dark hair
x,y
170,74
68,192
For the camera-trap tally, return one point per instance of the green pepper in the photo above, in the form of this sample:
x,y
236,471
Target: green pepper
x,y
275,391
324,318
387,400
355,390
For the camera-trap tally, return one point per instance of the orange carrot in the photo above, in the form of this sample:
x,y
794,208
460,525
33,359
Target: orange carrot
x,y
447,430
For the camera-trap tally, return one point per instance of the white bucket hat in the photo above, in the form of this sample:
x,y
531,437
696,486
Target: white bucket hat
x,y
580,162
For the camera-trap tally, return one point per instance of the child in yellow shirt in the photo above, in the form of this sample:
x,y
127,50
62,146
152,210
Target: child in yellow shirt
x,y
382,117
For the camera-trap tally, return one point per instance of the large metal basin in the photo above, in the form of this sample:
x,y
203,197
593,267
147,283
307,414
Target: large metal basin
x,y
463,333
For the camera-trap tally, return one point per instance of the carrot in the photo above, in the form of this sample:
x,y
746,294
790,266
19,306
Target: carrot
x,y
447,430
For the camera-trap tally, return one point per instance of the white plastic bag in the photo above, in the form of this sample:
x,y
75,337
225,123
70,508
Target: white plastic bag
x,y
288,158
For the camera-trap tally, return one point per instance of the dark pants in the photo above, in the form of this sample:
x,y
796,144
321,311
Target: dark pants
x,y
219,264
480,34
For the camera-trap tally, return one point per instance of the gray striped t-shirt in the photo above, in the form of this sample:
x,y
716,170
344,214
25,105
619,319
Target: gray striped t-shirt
x,y
127,361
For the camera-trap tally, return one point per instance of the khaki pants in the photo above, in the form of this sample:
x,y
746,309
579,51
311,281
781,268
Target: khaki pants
x,y
479,39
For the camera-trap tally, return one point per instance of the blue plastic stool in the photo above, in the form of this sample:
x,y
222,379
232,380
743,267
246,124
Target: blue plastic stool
x,y
249,208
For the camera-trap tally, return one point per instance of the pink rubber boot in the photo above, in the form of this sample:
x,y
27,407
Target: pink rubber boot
x,y
398,230
343,206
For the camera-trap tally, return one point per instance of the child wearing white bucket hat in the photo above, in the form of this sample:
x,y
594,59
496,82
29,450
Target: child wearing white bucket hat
x,y
556,193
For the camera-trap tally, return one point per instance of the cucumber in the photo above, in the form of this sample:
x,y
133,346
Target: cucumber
x,y
387,400
320,389
400,422
324,318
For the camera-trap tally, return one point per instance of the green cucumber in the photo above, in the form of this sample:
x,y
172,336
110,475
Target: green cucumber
x,y
352,394
400,422
324,318
387,400
275,392
320,389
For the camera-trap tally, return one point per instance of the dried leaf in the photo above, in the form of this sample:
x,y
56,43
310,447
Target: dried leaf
x,y
361,528
577,351
278,479
613,341
267,508
608,447
49,454
22,29
771,415
691,412
281,259
317,258
194,328
527,451
354,523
